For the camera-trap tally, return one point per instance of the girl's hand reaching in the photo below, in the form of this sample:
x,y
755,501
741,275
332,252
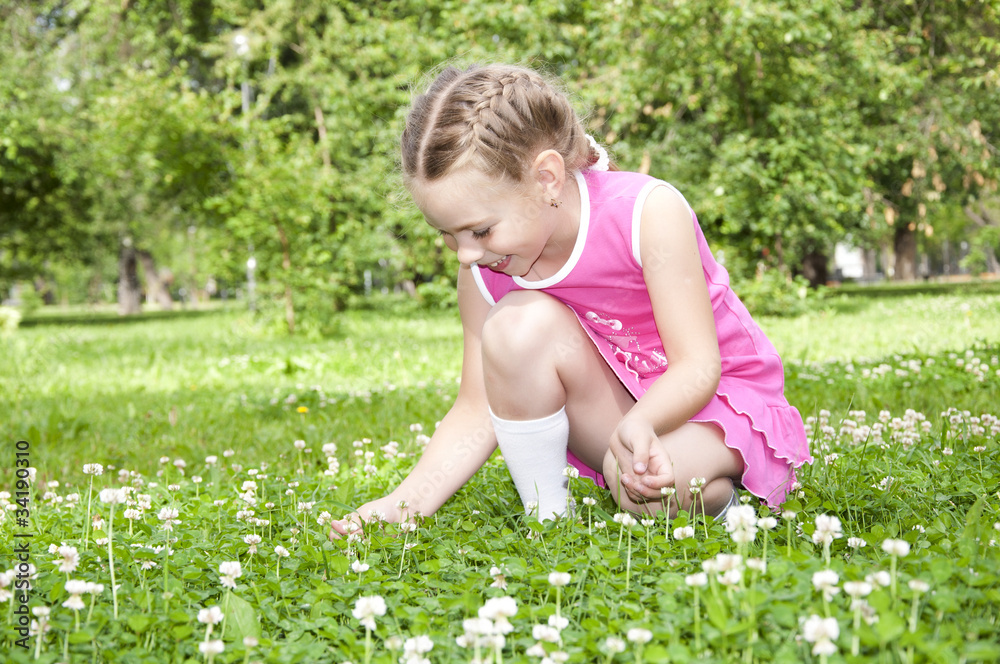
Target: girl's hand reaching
x,y
645,466
384,509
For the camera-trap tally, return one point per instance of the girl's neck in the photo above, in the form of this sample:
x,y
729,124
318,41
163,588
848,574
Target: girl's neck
x,y
565,220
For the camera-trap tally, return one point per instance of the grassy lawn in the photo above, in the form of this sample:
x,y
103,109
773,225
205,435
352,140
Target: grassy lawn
x,y
901,395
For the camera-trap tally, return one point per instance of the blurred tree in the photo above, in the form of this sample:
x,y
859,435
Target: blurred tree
x,y
936,126
198,134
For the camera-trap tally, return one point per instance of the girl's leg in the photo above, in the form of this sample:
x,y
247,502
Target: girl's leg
x,y
695,449
537,360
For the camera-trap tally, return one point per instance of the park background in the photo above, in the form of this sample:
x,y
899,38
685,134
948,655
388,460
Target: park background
x,y
166,153
149,151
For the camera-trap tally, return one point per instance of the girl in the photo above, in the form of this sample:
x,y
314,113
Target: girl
x,y
598,328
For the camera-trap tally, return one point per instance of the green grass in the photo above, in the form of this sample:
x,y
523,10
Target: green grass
x,y
884,382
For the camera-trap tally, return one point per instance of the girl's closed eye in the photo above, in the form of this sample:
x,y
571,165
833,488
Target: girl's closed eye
x,y
479,235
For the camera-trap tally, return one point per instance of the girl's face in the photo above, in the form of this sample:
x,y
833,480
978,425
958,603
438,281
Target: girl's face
x,y
495,225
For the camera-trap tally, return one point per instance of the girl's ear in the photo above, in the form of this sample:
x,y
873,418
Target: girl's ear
x,y
549,170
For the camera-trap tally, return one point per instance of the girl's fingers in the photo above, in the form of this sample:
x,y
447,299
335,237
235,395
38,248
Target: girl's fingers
x,y
344,527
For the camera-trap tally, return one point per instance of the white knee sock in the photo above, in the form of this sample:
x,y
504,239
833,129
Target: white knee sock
x,y
535,453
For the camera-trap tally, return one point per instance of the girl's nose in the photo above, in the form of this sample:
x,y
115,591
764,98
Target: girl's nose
x,y
469,252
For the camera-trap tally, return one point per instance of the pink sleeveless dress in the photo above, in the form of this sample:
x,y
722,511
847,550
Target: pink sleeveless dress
x,y
602,283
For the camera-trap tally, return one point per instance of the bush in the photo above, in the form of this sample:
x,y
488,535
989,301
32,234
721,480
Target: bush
x,y
774,293
438,294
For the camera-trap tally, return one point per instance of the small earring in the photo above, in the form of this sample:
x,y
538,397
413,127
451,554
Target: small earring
x,y
554,203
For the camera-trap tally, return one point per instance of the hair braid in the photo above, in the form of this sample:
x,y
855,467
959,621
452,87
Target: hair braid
x,y
494,118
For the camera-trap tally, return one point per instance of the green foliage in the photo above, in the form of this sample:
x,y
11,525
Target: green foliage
x,y
773,293
788,125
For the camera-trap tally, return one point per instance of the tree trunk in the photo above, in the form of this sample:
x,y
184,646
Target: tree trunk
x,y
815,267
905,246
870,266
286,264
129,293
324,145
156,290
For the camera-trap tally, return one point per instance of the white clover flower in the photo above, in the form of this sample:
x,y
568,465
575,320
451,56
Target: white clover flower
x,y
918,586
499,578
683,532
856,543
168,515
828,528
731,577
757,564
767,523
213,647
639,635
210,616
545,633
821,632
229,571
70,559
740,517
537,650
281,551
75,603
896,547
558,622
572,472
696,580
880,578
627,520
559,579
499,610
857,589
366,608
93,469
113,496
589,502
614,645
826,581
359,567
415,646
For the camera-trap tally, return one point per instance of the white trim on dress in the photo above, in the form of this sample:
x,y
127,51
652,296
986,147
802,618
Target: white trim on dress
x,y
640,200
581,241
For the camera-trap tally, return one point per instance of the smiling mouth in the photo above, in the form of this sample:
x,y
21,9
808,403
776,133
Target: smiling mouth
x,y
497,263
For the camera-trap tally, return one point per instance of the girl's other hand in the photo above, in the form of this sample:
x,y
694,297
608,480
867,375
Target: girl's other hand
x,y
645,465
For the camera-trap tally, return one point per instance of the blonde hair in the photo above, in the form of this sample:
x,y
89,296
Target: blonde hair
x,y
495,118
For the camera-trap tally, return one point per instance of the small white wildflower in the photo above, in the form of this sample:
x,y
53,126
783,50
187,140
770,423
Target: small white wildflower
x,y
821,632
559,579
213,647
210,616
366,608
639,635
896,547
696,580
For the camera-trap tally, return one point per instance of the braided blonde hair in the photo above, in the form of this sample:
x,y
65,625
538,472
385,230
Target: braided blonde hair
x,y
495,118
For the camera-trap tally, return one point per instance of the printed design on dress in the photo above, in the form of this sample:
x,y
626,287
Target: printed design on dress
x,y
625,345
